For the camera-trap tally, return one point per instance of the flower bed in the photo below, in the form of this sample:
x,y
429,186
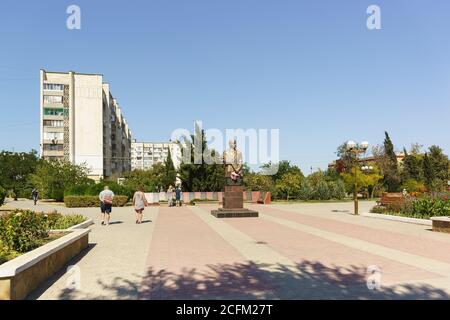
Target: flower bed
x,y
92,201
24,230
31,250
423,207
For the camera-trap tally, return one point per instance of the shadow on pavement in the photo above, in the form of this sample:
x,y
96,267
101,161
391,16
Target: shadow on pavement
x,y
47,284
308,280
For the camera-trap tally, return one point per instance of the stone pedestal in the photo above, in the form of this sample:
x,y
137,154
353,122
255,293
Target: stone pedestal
x,y
233,204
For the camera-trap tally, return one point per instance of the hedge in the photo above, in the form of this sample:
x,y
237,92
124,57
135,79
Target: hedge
x,y
92,201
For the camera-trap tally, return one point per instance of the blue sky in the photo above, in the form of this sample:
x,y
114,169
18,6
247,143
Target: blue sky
x,y
309,68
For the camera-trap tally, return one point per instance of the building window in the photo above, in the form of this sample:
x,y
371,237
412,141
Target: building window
x,y
53,147
53,86
53,112
53,135
53,99
53,123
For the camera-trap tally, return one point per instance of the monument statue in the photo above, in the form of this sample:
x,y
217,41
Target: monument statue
x,y
233,195
233,163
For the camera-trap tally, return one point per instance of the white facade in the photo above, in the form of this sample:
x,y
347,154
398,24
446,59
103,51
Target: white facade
x,y
145,154
82,123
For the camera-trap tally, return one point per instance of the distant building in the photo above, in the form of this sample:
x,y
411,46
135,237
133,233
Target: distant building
x,y
145,154
81,122
339,165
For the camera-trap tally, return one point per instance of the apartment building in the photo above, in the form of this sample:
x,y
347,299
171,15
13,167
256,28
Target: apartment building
x,y
145,154
82,122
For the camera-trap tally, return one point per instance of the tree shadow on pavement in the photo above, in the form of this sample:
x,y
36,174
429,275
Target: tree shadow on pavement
x,y
50,281
307,280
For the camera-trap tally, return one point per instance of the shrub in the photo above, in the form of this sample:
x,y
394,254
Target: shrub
x,y
22,231
305,190
322,191
337,189
92,201
57,221
422,208
2,195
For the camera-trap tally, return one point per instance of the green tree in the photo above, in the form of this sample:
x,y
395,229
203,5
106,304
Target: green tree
x,y
440,165
53,177
428,172
257,182
15,170
170,174
204,170
283,167
391,175
306,191
288,185
412,167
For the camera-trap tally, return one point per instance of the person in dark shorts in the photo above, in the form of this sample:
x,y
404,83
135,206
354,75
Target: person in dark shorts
x,y
106,199
178,196
35,195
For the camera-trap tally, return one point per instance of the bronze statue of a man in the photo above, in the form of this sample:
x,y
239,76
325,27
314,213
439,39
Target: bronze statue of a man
x,y
233,162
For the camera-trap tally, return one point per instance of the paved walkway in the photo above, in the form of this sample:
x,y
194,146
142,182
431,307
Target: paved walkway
x,y
295,251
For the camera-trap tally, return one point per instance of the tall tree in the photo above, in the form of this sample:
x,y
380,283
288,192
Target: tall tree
x,y
170,174
202,169
440,163
391,178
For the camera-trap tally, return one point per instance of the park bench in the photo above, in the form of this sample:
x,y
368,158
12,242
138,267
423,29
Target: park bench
x,y
391,199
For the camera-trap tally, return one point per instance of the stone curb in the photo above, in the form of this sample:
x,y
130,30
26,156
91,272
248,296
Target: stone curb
x,y
425,222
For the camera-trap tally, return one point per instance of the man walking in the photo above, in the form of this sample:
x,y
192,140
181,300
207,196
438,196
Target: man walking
x,y
106,200
35,195
178,196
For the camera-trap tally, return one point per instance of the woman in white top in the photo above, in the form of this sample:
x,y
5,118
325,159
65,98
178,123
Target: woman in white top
x,y
139,203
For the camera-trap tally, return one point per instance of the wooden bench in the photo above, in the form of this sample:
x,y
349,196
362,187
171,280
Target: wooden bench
x,y
391,199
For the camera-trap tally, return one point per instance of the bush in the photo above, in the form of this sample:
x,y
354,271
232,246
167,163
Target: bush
x,y
305,190
25,230
93,189
422,208
56,221
2,196
337,189
322,191
92,201
22,231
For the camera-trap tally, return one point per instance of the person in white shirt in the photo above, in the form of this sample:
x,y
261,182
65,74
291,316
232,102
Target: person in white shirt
x,y
106,200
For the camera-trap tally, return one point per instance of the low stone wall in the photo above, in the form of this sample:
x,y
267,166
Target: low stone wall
x,y
20,276
441,224
154,198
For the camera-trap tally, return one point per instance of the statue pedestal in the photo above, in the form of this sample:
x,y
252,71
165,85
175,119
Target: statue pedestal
x,y
233,204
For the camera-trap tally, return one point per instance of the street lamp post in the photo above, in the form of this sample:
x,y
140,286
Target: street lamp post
x,y
356,149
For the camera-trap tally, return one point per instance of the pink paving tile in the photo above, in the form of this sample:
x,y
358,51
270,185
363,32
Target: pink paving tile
x,y
433,249
331,260
187,259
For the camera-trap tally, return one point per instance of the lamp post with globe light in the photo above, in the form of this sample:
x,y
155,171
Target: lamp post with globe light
x,y
356,150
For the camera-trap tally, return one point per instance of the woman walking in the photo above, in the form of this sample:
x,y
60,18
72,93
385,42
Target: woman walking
x,y
139,202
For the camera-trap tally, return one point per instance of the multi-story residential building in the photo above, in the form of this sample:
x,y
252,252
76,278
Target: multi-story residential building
x,y
81,122
145,154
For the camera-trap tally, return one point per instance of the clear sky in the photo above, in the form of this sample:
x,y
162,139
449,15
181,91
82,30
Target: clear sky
x,y
309,68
